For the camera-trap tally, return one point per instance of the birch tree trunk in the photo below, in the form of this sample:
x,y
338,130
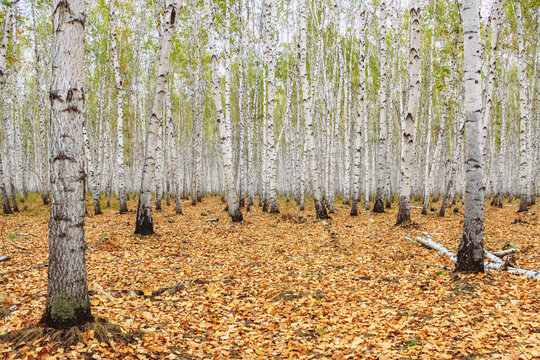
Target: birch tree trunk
x,y
144,225
407,150
67,298
94,186
470,257
43,148
120,168
8,24
524,120
271,10
361,115
320,208
378,207
225,138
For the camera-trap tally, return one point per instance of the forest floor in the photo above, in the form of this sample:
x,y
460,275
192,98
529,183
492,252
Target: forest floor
x,y
282,286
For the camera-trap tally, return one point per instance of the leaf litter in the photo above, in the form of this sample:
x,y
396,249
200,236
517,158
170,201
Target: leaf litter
x,y
281,286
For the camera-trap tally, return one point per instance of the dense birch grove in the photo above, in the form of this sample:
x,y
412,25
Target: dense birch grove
x,y
360,102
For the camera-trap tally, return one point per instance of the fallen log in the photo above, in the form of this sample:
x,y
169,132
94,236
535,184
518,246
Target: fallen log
x,y
496,264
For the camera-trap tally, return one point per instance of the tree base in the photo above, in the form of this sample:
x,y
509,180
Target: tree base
x,y
320,210
354,208
236,216
404,212
274,210
378,207
123,208
81,316
144,224
104,332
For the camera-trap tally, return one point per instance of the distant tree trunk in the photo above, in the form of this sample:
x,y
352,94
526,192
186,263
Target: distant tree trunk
x,y
271,15
453,169
407,152
43,148
144,225
92,176
67,299
8,23
320,208
378,207
120,173
225,138
470,257
524,121
159,166
361,115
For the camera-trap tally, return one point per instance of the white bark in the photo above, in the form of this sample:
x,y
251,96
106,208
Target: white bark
x,y
524,115
144,225
223,120
67,299
471,247
308,116
407,150
382,147
120,168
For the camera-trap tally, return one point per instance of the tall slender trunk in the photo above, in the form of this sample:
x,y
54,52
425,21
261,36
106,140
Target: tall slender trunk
x,y
225,138
271,15
378,207
524,120
407,151
145,225
361,115
92,176
320,208
120,167
470,257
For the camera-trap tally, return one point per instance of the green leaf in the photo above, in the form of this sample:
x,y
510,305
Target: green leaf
x,y
5,2
412,343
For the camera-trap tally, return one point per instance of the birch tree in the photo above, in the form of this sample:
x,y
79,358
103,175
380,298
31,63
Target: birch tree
x,y
470,257
378,207
120,168
320,208
524,115
225,137
404,213
144,224
67,297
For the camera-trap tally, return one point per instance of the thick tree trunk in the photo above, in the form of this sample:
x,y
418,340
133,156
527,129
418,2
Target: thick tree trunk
x,y
145,225
67,299
470,257
407,152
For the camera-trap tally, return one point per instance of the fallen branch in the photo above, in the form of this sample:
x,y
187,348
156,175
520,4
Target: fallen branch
x,y
171,290
504,252
496,264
